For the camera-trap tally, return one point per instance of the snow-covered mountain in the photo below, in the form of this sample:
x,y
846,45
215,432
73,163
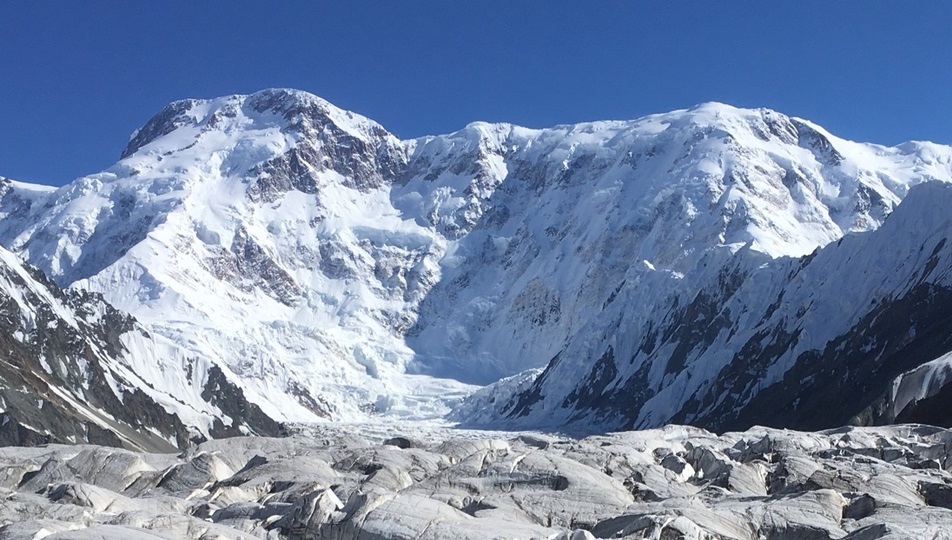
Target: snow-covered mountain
x,y
334,271
258,233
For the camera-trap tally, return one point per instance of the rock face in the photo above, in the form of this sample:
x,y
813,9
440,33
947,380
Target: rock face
x,y
349,483
659,270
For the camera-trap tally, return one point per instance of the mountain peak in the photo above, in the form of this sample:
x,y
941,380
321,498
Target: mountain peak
x,y
292,111
288,101
718,107
170,118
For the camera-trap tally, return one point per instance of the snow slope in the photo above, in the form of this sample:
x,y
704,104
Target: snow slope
x,y
802,342
336,271
73,369
567,216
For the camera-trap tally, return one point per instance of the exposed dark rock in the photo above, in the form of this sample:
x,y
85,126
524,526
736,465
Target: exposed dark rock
x,y
172,117
222,393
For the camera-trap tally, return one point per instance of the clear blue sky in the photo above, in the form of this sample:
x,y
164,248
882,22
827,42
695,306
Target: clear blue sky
x,y
76,78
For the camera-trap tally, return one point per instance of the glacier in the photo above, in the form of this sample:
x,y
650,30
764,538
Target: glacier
x,y
375,481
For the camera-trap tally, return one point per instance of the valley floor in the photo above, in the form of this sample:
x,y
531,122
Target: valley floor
x,y
404,481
